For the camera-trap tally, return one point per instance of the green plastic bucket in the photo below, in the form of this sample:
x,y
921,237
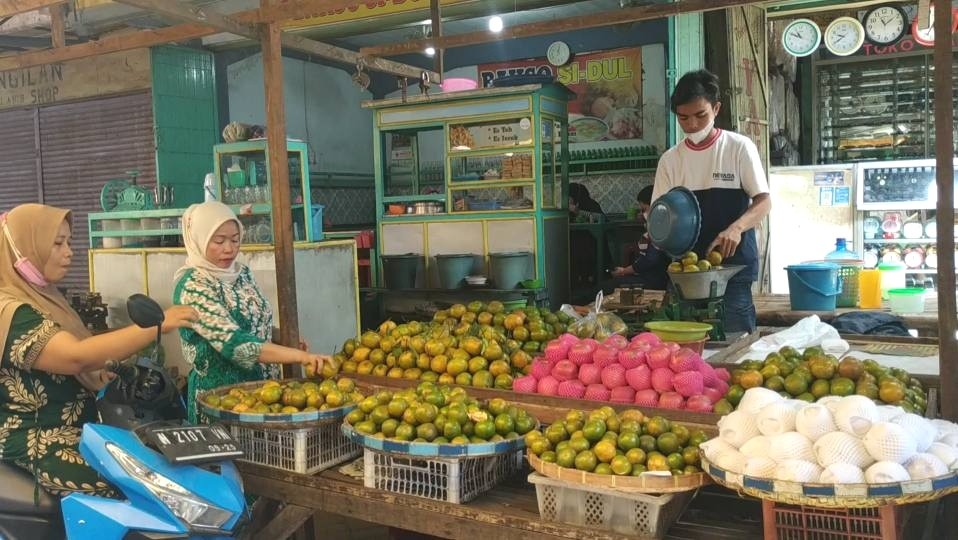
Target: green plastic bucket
x,y
510,268
453,269
399,271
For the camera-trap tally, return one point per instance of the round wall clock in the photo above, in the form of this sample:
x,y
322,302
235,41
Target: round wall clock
x,y
885,25
926,36
844,36
801,37
558,53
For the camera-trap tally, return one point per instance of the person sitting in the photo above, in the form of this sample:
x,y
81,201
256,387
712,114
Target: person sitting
x,y
51,363
648,269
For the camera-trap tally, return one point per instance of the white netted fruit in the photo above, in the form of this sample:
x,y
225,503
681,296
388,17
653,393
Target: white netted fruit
x,y
755,399
919,428
855,415
798,470
756,447
814,420
840,447
760,467
947,454
944,426
886,441
731,460
950,439
831,402
887,413
925,466
737,427
842,473
886,472
777,418
713,447
791,446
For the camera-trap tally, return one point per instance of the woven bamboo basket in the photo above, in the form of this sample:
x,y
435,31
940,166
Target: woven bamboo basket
x,y
646,483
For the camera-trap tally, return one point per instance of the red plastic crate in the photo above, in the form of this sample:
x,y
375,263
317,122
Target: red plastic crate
x,y
788,522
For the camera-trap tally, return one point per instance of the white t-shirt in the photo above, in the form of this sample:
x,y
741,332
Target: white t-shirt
x,y
724,172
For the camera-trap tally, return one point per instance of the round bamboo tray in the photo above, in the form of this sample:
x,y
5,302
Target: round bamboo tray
x,y
269,420
646,483
835,495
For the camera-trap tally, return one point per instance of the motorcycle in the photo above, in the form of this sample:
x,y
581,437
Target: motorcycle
x,y
178,480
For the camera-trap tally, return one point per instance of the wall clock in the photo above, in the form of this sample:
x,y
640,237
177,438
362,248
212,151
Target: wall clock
x,y
885,25
558,53
801,37
926,36
844,36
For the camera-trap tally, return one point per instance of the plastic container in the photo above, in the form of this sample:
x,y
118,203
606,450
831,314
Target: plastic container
x,y
453,269
627,513
785,521
869,288
679,331
452,480
841,252
813,286
850,264
907,300
458,85
675,221
304,450
509,269
892,277
399,271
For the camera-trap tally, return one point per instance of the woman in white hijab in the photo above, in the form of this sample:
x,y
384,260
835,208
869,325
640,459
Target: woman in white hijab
x,y
231,341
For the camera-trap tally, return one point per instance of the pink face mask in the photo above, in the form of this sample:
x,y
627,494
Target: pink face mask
x,y
23,266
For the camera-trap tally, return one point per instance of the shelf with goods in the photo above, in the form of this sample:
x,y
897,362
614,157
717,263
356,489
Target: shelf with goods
x,y
135,228
874,109
489,165
242,181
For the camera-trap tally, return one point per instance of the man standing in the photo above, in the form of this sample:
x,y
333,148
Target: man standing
x,y
724,171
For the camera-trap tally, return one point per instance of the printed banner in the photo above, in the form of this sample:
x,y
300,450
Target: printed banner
x,y
614,101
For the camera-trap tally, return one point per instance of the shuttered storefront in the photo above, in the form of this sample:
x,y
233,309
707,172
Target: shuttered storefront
x,y
18,158
85,144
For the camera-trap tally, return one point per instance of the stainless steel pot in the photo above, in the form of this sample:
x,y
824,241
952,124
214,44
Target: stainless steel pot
x,y
427,208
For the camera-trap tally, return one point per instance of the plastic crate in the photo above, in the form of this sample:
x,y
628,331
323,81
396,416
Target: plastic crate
x,y
849,274
304,450
453,480
597,508
789,522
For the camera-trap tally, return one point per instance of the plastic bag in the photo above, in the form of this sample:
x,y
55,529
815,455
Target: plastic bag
x,y
808,332
596,324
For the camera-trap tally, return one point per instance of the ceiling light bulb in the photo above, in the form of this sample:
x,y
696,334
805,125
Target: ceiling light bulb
x,y
430,51
495,23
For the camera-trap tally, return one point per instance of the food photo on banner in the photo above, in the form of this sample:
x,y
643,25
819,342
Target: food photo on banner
x,y
619,102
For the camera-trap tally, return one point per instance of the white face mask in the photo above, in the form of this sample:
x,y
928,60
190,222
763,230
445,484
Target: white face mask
x,y
700,136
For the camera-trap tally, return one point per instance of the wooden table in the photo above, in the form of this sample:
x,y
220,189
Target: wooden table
x,y
775,310
510,511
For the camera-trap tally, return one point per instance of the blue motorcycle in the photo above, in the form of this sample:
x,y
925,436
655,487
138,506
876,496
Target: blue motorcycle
x,y
178,480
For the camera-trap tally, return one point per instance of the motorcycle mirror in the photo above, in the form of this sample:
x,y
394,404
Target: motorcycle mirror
x,y
144,311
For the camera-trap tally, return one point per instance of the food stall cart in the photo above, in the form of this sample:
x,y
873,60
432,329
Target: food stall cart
x,y
471,181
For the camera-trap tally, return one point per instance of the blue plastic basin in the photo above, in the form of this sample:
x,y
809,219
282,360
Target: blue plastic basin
x,y
675,221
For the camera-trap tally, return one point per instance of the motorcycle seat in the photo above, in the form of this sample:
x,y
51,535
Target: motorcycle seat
x,y
16,497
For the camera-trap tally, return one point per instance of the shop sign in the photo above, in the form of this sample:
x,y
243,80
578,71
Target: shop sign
x,y
904,45
98,75
610,102
367,9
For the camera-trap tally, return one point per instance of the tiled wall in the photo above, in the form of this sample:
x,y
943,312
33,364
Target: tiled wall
x,y
614,192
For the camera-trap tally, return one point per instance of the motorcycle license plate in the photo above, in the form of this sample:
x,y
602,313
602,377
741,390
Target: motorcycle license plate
x,y
192,444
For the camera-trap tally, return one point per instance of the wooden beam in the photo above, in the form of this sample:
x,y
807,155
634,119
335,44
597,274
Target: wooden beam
x,y
58,37
278,166
286,522
13,7
558,26
225,23
944,152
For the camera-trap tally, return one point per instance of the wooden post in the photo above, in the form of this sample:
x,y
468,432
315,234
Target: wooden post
x,y
58,36
435,13
944,152
279,177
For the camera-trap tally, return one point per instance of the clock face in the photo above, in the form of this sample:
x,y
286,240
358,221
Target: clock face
x,y
801,37
844,36
885,25
558,53
926,36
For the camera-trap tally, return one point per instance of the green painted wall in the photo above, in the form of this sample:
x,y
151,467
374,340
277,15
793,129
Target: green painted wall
x,y
686,53
185,122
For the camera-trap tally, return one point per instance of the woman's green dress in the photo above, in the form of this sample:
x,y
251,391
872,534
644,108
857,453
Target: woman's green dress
x,y
224,345
42,415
